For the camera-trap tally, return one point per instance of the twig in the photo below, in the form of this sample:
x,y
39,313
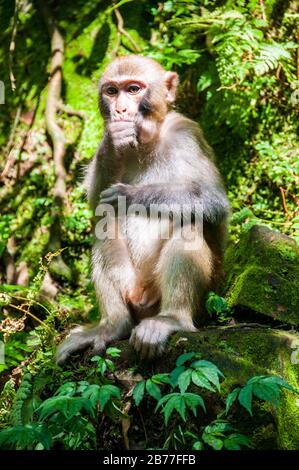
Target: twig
x,y
284,201
10,158
121,31
70,111
31,315
12,48
228,87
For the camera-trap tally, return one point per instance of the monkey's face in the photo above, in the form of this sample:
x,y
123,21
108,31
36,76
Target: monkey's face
x,y
123,98
135,87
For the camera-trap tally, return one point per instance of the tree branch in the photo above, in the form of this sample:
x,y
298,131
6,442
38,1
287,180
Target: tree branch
x,y
122,32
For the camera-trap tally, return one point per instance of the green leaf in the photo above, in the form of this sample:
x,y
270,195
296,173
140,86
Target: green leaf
x,y
198,446
184,380
267,392
26,437
212,441
113,352
68,388
161,378
175,403
68,406
231,398
101,394
138,392
153,390
184,358
209,370
280,382
235,441
175,375
245,397
199,379
193,400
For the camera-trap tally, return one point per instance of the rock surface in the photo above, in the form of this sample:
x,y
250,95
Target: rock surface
x,y
262,274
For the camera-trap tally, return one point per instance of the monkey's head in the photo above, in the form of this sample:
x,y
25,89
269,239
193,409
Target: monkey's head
x,y
133,86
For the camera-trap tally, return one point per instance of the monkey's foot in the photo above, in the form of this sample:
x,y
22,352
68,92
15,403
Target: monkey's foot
x,y
81,338
150,336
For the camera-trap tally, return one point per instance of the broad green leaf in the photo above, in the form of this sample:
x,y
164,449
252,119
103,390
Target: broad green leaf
x,y
212,441
198,446
27,436
175,375
153,390
68,406
184,358
193,400
218,427
165,399
199,379
101,394
138,392
209,370
279,381
235,441
175,403
68,388
245,397
113,352
231,398
184,380
268,392
161,378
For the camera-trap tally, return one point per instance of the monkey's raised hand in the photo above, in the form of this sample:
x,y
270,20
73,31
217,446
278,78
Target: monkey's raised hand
x,y
123,134
110,195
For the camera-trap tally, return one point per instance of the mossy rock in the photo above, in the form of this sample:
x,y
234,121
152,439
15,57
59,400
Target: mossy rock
x,y
239,352
262,274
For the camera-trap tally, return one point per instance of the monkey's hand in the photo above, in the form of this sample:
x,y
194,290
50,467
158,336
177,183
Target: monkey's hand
x,y
110,195
123,134
147,130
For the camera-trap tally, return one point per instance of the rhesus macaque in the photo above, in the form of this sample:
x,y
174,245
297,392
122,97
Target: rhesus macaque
x,y
149,287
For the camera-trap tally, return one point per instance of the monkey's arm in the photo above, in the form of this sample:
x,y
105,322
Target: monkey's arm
x,y
211,199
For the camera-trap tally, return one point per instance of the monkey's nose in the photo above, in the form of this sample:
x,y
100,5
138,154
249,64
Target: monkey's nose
x,y
121,111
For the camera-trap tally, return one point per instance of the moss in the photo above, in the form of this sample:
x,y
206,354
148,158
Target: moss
x,y
263,274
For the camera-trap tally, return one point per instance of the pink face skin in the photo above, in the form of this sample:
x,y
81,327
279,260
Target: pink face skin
x,y
124,97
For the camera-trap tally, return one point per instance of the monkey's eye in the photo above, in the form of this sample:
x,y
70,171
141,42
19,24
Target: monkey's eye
x,y
111,90
134,89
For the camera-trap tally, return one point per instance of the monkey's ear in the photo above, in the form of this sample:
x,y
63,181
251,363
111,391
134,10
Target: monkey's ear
x,y
171,82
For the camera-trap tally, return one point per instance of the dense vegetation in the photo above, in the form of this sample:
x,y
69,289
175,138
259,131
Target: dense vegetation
x,y
238,63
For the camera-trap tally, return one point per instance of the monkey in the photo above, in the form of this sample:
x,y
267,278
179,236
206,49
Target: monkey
x,y
150,286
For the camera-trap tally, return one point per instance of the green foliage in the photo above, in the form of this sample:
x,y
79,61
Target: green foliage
x,y
70,415
67,418
217,307
221,435
266,388
238,80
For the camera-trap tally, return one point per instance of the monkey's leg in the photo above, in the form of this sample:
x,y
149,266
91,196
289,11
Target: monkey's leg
x,y
184,277
113,276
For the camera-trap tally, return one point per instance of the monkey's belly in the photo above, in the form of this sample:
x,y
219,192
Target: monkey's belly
x,y
145,239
